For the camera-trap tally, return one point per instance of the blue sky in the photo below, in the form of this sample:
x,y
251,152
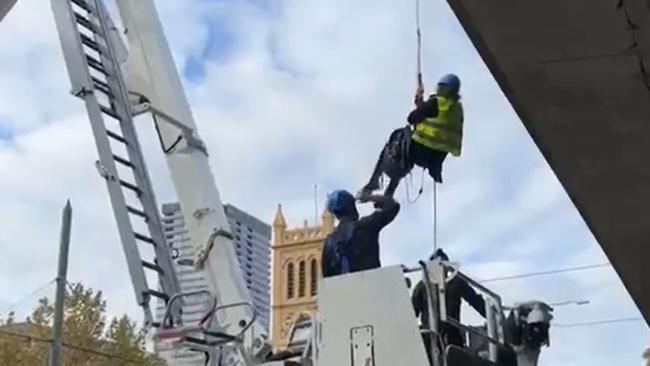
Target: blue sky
x,y
6,131
287,94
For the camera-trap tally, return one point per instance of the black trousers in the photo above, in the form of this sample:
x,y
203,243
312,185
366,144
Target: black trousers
x,y
419,155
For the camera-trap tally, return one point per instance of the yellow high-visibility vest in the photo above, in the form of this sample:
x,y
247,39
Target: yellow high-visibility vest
x,y
445,131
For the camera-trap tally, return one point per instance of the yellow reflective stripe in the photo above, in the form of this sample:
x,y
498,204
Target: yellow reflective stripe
x,y
428,127
443,137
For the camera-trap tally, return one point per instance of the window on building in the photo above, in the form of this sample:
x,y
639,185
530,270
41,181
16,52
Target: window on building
x,y
301,279
290,284
314,277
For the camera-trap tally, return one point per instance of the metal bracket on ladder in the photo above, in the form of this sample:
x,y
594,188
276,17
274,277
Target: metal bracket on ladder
x,y
186,132
89,46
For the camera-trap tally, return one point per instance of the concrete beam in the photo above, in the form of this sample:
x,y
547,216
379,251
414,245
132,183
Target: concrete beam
x,y
577,74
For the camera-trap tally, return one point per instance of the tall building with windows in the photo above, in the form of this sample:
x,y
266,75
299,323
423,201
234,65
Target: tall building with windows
x,y
296,271
253,248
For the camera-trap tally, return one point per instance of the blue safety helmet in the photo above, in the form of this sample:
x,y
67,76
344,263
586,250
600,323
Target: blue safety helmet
x,y
338,201
451,81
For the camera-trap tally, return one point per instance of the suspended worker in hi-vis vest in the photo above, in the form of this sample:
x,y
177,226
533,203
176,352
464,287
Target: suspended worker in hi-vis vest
x,y
435,130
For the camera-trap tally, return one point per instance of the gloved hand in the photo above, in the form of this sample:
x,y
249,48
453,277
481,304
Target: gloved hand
x,y
418,100
419,92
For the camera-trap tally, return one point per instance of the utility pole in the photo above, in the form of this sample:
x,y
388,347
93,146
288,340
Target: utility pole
x,y
61,281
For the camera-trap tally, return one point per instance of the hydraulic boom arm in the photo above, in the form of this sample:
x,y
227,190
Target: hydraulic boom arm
x,y
151,73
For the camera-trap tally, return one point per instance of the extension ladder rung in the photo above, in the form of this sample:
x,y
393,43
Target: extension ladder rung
x,y
137,212
84,22
91,43
109,111
130,186
116,137
158,294
144,238
96,64
82,4
100,88
152,266
122,161
101,84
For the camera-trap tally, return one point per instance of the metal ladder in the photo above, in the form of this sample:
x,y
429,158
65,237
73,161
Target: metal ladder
x,y
90,51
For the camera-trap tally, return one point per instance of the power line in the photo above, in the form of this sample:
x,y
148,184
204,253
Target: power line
x,y
70,346
8,308
546,273
599,322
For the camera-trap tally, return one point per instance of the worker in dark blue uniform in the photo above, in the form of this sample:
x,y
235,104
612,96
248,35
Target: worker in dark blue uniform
x,y
354,244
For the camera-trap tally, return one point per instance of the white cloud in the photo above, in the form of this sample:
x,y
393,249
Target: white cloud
x,y
307,94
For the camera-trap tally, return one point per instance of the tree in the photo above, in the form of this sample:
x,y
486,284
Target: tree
x,y
18,351
123,339
87,339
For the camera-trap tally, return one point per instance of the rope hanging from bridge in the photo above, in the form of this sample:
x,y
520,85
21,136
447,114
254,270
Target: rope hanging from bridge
x,y
419,98
419,93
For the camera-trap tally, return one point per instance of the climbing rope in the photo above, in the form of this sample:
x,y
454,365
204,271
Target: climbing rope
x,y
408,186
419,97
419,93
435,216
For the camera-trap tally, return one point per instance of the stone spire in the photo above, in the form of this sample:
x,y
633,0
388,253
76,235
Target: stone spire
x,y
279,221
279,227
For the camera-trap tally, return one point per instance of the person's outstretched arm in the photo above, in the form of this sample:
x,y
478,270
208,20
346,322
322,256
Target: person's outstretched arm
x,y
428,109
473,299
386,209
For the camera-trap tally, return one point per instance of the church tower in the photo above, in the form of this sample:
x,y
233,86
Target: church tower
x,y
296,270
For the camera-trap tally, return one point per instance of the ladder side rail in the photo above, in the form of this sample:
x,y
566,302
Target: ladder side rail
x,y
83,88
71,47
169,281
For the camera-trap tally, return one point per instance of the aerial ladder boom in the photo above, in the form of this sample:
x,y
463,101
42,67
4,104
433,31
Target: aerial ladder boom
x,y
151,73
117,85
